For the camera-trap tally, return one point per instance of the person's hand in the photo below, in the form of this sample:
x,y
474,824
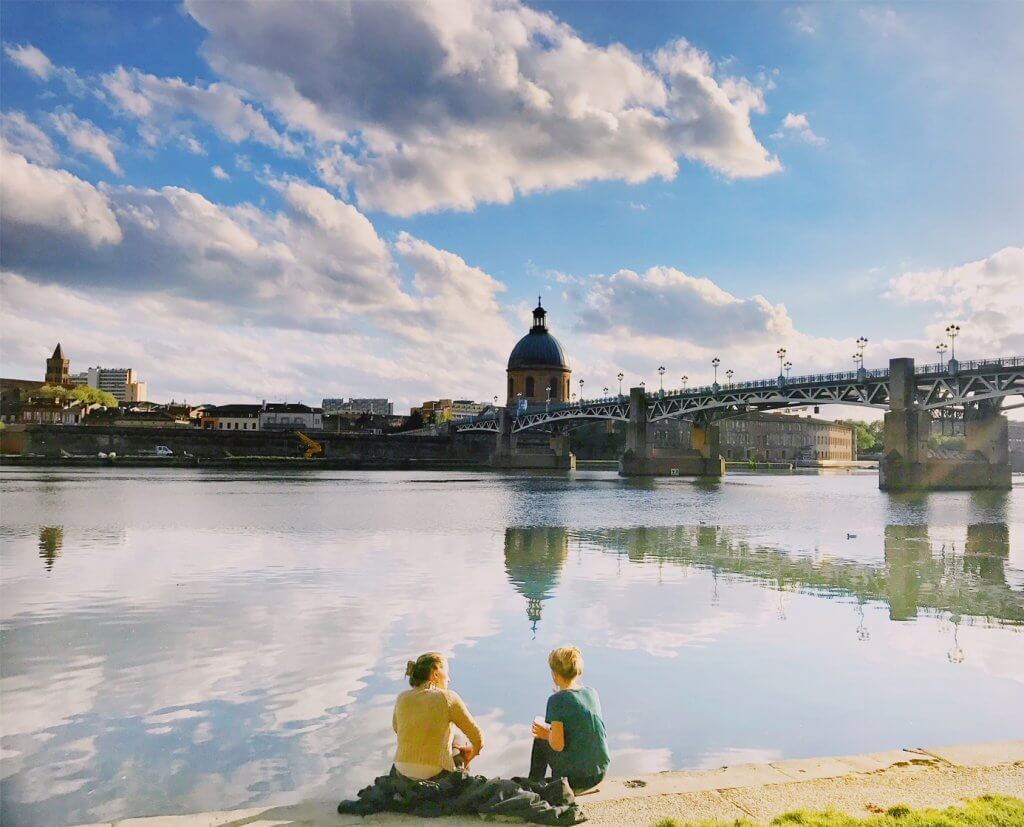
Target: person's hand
x,y
541,732
467,754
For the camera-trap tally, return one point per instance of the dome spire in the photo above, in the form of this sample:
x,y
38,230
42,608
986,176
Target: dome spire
x,y
540,324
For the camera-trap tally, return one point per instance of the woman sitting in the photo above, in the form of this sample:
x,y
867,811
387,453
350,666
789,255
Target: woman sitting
x,y
571,739
423,719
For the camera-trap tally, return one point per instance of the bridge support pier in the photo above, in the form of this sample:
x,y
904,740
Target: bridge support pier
x,y
640,459
908,464
508,456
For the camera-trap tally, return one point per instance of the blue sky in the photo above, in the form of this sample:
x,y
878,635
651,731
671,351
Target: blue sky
x,y
366,199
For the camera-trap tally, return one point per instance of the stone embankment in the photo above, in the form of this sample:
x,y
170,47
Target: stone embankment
x,y
859,785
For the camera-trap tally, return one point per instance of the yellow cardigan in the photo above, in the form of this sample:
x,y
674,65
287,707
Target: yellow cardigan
x,y
423,719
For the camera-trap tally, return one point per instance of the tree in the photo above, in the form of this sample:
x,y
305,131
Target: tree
x,y
89,396
80,393
862,432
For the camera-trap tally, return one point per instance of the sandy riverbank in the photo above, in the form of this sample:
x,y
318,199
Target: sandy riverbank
x,y
858,785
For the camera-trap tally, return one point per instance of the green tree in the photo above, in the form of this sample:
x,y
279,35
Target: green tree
x,y
89,396
80,393
866,441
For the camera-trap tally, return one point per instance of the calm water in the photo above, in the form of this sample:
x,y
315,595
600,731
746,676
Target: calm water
x,y
177,641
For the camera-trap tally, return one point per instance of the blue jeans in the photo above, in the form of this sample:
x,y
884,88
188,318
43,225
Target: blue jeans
x,y
543,757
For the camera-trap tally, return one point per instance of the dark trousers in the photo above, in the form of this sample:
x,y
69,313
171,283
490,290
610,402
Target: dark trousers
x,y
542,757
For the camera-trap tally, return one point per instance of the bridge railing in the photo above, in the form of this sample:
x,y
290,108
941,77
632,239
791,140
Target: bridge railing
x,y
760,384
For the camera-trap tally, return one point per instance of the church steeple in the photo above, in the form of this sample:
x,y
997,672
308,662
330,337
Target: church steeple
x,y
57,368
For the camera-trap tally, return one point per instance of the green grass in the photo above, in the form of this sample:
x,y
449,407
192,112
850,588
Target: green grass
x,y
987,811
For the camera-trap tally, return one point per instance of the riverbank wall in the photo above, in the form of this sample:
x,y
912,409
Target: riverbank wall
x,y
859,785
82,444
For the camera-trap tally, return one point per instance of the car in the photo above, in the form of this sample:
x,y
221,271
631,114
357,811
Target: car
x,y
163,451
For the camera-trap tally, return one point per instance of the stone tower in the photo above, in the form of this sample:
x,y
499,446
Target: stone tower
x,y
57,368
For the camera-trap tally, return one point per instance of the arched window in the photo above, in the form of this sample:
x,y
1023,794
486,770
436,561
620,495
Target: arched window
x,y
552,388
511,387
529,387
566,389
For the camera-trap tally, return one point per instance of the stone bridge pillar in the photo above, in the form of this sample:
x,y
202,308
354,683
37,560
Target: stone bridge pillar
x,y
509,455
908,465
640,459
636,431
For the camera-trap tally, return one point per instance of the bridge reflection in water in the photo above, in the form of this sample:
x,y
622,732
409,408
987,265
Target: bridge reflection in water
x,y
915,575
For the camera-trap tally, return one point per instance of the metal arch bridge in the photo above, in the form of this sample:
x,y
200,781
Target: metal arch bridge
x,y
936,387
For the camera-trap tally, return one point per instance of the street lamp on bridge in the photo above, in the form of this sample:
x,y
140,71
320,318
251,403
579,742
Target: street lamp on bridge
x,y
620,377
661,377
547,399
788,366
685,380
729,374
941,348
604,391
581,391
715,363
781,353
952,331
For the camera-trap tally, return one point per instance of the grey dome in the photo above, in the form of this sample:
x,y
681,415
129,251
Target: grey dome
x,y
538,348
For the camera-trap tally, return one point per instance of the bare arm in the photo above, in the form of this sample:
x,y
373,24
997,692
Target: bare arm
x,y
557,737
463,720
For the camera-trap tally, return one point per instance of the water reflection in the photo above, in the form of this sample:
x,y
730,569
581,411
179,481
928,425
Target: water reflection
x,y
969,582
51,539
533,560
195,642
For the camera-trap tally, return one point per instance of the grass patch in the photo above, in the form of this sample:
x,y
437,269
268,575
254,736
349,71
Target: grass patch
x,y
987,811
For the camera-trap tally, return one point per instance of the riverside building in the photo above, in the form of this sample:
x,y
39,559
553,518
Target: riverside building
x,y
121,383
768,437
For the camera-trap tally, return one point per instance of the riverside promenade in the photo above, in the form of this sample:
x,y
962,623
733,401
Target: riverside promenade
x,y
860,785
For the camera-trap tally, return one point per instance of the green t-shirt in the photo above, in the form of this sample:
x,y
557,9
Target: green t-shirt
x,y
586,743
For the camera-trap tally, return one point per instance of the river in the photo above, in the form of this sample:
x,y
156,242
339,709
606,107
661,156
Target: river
x,y
181,640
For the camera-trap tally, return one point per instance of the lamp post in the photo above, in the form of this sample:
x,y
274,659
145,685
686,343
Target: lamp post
x,y
581,391
547,400
781,353
788,366
495,400
685,380
604,391
862,343
952,331
715,363
728,375
661,378
941,347
620,378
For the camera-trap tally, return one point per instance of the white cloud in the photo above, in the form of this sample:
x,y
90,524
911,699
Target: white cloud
x,y
316,266
46,206
665,302
31,59
220,174
22,136
86,137
883,20
804,20
163,104
798,126
445,105
986,297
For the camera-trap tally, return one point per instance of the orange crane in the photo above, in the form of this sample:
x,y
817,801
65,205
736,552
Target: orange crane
x,y
312,446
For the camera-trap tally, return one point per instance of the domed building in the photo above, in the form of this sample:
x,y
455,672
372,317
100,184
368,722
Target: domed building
x,y
538,365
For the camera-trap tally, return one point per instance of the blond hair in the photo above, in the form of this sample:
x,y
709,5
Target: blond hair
x,y
566,662
419,671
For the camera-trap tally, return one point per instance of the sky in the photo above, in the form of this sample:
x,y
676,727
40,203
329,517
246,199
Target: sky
x,y
248,201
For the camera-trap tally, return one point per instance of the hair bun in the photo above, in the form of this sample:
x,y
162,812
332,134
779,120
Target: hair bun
x,y
409,666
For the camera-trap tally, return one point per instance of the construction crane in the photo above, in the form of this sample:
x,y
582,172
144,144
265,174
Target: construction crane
x,y
312,446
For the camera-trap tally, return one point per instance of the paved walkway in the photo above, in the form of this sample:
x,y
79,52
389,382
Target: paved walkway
x,y
859,785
